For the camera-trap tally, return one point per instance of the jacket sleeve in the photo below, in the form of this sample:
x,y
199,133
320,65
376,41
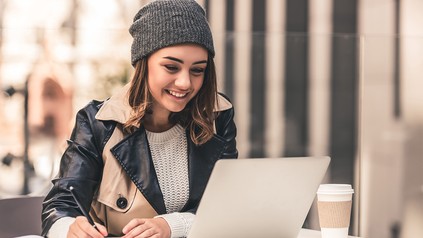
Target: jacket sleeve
x,y
81,167
226,128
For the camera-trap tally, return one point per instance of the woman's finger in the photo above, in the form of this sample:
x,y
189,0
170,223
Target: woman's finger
x,y
102,229
82,228
132,224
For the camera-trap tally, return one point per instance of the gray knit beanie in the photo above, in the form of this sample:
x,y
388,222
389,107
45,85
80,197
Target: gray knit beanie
x,y
163,23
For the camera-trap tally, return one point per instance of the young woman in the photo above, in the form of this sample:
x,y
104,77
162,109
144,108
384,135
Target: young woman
x,y
139,161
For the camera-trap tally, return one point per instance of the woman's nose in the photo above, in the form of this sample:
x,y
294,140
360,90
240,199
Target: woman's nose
x,y
183,81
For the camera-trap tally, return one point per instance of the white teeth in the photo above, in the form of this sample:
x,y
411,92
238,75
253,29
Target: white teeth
x,y
178,95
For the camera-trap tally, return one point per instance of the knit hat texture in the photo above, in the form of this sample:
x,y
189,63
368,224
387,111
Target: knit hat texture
x,y
163,23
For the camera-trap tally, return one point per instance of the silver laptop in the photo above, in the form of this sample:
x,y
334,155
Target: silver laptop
x,y
251,198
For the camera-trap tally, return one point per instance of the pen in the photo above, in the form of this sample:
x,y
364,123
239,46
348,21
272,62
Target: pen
x,y
84,212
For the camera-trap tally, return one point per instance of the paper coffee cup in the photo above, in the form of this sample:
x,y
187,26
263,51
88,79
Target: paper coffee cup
x,y
334,203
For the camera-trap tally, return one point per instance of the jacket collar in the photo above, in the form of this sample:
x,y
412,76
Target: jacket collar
x,y
117,108
140,169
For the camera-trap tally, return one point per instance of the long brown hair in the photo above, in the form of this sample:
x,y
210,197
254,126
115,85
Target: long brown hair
x,y
197,116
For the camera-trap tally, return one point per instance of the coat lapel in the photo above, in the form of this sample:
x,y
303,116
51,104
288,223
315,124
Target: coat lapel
x,y
134,156
201,160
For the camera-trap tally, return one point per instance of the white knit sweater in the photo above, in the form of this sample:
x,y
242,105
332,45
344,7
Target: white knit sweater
x,y
169,154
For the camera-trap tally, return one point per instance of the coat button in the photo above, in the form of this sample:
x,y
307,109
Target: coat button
x,y
121,202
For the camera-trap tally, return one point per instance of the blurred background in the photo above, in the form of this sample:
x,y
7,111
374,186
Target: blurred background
x,y
307,77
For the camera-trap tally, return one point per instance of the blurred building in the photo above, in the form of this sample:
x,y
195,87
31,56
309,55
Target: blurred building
x,y
55,56
323,77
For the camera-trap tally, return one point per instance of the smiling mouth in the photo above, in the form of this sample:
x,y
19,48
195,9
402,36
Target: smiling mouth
x,y
175,94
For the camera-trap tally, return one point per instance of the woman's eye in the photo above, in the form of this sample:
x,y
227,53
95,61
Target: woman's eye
x,y
171,68
197,71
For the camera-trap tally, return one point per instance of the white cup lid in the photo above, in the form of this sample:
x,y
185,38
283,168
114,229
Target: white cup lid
x,y
335,189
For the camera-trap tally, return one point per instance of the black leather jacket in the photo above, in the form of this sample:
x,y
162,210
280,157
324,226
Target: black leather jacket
x,y
82,164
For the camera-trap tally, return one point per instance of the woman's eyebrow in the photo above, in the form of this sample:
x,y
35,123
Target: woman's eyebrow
x,y
181,61
201,62
174,59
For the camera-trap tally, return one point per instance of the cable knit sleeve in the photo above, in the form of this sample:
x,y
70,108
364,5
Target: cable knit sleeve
x,y
180,223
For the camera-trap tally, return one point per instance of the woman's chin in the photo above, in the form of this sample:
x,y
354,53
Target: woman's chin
x,y
176,108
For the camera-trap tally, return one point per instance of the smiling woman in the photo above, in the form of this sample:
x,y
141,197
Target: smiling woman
x,y
133,157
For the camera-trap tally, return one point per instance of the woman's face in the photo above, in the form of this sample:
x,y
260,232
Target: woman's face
x,y
175,75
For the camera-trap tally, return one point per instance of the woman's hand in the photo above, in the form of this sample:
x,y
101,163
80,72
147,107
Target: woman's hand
x,y
143,228
82,228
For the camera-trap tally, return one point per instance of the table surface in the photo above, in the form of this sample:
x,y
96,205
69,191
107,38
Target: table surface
x,y
306,233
